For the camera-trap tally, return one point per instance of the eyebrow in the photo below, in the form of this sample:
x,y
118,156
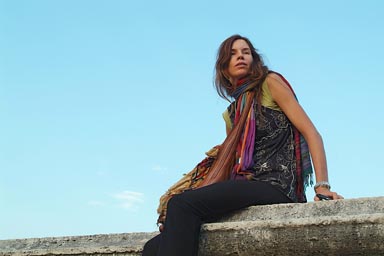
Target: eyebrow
x,y
242,49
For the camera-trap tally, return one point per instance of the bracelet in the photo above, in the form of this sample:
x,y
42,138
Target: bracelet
x,y
323,184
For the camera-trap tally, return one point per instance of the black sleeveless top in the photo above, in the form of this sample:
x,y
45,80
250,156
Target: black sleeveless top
x,y
274,154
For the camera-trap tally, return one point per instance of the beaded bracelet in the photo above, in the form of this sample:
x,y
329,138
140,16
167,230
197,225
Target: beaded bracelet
x,y
324,184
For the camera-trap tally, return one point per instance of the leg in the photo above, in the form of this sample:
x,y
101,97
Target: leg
x,y
187,211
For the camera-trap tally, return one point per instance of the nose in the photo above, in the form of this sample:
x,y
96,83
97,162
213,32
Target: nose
x,y
240,56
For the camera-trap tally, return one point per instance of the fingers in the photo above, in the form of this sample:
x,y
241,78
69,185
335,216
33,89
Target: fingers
x,y
328,195
336,196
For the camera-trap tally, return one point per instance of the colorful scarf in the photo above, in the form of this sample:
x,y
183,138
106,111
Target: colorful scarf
x,y
304,169
246,145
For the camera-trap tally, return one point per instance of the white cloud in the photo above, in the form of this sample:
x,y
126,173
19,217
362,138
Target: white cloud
x,y
159,168
129,199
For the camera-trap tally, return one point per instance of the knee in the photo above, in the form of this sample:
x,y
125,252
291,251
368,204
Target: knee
x,y
181,202
176,201
151,247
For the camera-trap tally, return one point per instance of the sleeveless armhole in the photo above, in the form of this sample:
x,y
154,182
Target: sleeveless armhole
x,y
266,99
227,119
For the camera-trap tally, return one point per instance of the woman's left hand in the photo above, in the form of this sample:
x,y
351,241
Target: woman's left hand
x,y
326,192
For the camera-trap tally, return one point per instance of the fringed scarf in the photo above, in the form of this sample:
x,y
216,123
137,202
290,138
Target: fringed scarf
x,y
304,169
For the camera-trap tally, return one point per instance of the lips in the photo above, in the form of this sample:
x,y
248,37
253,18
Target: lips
x,y
241,64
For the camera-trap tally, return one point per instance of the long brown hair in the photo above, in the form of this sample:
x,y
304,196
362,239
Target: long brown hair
x,y
257,75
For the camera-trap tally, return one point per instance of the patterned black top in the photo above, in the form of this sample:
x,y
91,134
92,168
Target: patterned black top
x,y
274,154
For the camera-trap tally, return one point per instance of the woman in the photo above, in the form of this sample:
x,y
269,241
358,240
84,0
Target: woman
x,y
269,167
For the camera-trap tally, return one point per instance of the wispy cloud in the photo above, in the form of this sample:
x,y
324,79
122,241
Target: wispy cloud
x,y
129,200
159,168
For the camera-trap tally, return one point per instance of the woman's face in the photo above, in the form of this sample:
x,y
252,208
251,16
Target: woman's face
x,y
240,62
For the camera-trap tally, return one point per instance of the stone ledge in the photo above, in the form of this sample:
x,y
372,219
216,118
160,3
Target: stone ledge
x,y
345,207
355,235
105,244
343,227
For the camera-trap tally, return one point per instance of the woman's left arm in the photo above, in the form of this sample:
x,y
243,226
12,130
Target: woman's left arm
x,y
284,97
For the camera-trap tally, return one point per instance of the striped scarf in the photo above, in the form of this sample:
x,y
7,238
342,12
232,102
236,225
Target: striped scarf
x,y
304,169
246,145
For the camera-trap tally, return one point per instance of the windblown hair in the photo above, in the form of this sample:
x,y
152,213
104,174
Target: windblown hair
x,y
258,72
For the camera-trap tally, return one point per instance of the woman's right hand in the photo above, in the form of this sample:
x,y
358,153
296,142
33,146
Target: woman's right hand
x,y
326,192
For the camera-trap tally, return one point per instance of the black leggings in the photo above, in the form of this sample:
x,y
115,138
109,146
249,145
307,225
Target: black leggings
x,y
187,211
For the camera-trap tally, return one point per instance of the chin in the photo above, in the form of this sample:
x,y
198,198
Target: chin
x,y
242,75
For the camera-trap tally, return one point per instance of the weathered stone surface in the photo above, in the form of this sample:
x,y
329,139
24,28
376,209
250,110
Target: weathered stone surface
x,y
323,236
344,227
311,210
109,244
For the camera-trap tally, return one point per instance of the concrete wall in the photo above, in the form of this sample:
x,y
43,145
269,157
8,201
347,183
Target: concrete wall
x,y
344,227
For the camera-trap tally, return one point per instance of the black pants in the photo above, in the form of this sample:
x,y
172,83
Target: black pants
x,y
187,211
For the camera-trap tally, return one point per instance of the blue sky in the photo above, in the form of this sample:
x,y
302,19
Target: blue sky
x,y
105,104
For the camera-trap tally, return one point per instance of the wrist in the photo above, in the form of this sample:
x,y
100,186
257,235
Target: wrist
x,y
322,185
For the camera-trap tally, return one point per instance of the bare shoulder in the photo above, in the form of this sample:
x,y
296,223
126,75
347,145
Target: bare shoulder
x,y
276,83
274,79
